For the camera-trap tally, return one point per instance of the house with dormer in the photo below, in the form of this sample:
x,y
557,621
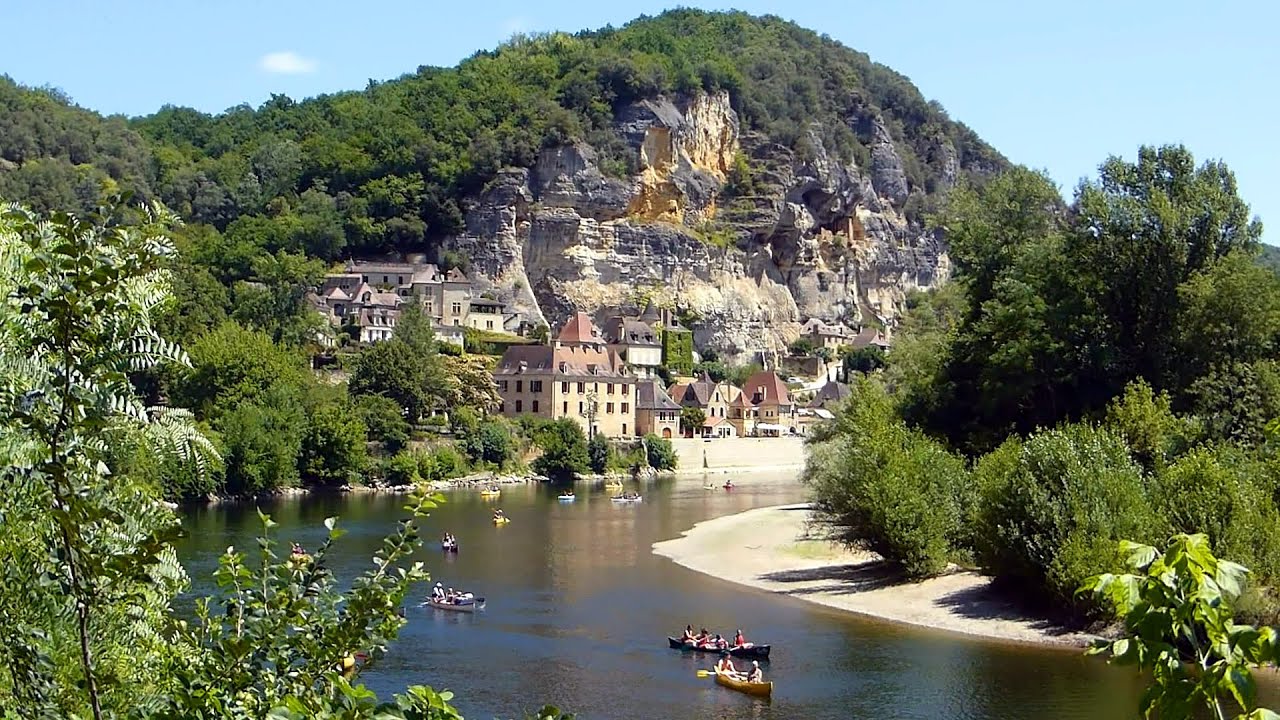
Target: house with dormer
x,y
764,407
577,376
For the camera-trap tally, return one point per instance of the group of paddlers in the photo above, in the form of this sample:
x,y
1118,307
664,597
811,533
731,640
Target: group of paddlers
x,y
705,639
449,597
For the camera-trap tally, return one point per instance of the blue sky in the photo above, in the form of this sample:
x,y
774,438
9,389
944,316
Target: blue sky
x,y
1054,85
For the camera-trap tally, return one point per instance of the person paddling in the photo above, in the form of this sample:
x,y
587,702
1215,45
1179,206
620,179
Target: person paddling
x,y
689,637
757,675
739,640
725,667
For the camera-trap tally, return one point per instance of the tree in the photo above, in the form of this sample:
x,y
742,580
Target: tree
x,y
691,420
802,347
384,422
488,442
232,365
660,454
862,360
394,370
598,453
261,444
1177,607
332,451
413,326
564,450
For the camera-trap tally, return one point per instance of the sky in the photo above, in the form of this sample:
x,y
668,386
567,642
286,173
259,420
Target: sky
x,y
1057,86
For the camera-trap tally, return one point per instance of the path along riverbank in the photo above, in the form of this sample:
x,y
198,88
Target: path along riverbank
x,y
772,549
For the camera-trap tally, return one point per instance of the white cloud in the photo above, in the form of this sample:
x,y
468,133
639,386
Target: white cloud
x,y
287,63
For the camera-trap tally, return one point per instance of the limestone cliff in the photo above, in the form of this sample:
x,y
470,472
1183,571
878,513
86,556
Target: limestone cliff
x,y
814,236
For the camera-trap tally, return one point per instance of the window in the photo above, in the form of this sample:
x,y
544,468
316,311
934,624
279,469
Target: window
x,y
582,387
457,308
624,428
581,411
564,388
399,279
535,406
519,406
609,408
386,280
488,324
456,321
625,390
565,409
430,307
519,386
609,389
626,408
502,385
535,386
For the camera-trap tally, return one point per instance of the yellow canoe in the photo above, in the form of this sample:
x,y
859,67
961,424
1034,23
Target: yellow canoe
x,y
501,520
490,493
762,689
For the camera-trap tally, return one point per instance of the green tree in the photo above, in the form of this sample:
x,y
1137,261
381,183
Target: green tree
x,y
488,442
332,450
384,422
261,445
599,452
394,370
232,365
660,454
564,450
691,419
1178,612
862,360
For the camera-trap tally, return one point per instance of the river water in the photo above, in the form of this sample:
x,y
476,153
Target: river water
x,y
579,609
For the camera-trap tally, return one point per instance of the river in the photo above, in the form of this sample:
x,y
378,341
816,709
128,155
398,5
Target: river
x,y
579,609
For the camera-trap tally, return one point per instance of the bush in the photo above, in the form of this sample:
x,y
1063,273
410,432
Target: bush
x,y
564,449
886,488
401,469
487,442
441,463
383,421
1213,491
661,455
1054,515
599,453
1147,424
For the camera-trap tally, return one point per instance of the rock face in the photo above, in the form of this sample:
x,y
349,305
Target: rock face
x,y
812,236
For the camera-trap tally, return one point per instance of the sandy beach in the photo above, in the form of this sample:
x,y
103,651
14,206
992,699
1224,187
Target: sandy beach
x,y
772,549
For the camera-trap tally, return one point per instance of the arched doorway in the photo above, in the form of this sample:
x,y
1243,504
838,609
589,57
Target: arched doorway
x,y
666,433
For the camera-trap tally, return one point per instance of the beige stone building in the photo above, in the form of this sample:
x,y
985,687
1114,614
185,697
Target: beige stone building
x,y
576,376
764,407
821,334
656,412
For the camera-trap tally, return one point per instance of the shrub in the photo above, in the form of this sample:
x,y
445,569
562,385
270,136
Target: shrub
x,y
661,455
1213,491
1147,424
564,449
1055,517
886,488
402,469
384,421
599,453
488,442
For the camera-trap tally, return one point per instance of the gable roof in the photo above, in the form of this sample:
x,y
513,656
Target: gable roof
x,y
579,330
765,388
651,396
650,314
455,275
568,361
829,394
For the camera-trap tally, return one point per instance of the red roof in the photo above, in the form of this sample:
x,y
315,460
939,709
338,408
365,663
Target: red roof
x,y
580,330
765,388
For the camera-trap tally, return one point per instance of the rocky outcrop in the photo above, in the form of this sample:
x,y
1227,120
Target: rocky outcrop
x,y
814,236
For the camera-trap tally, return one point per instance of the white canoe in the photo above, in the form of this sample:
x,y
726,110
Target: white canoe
x,y
474,605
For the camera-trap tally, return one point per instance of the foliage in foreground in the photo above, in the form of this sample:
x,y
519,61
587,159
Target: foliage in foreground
x,y
1177,608
88,574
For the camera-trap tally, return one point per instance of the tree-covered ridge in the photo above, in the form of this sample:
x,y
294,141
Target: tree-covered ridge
x,y
388,167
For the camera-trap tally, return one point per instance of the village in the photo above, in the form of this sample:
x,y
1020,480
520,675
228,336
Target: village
x,y
632,377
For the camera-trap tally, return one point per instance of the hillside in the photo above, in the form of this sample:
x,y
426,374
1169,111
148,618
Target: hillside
x,y
767,173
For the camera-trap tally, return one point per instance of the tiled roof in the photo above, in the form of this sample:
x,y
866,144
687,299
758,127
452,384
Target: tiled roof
x,y
570,361
629,331
651,396
650,314
456,275
580,329
765,388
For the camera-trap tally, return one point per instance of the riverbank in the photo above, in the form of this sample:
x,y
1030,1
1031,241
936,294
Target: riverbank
x,y
772,549
722,456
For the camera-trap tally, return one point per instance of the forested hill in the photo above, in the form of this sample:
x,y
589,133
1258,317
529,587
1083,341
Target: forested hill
x,y
388,167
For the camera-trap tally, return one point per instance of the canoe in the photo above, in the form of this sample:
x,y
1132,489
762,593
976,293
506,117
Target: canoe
x,y
449,548
613,483
476,604
728,486
621,499
762,689
490,493
755,652
708,487
567,498
501,520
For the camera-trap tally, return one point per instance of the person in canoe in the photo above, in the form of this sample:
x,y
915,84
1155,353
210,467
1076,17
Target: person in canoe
x,y
725,667
437,593
756,675
703,637
498,514
720,643
739,640
688,636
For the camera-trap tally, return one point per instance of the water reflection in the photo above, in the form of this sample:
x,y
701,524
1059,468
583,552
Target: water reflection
x,y
579,608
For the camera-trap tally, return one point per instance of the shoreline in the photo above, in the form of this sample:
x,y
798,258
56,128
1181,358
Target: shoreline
x,y
770,549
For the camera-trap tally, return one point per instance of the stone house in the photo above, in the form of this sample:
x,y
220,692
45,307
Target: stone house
x,y
485,314
870,337
656,412
764,408
714,399
822,335
636,340
577,376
